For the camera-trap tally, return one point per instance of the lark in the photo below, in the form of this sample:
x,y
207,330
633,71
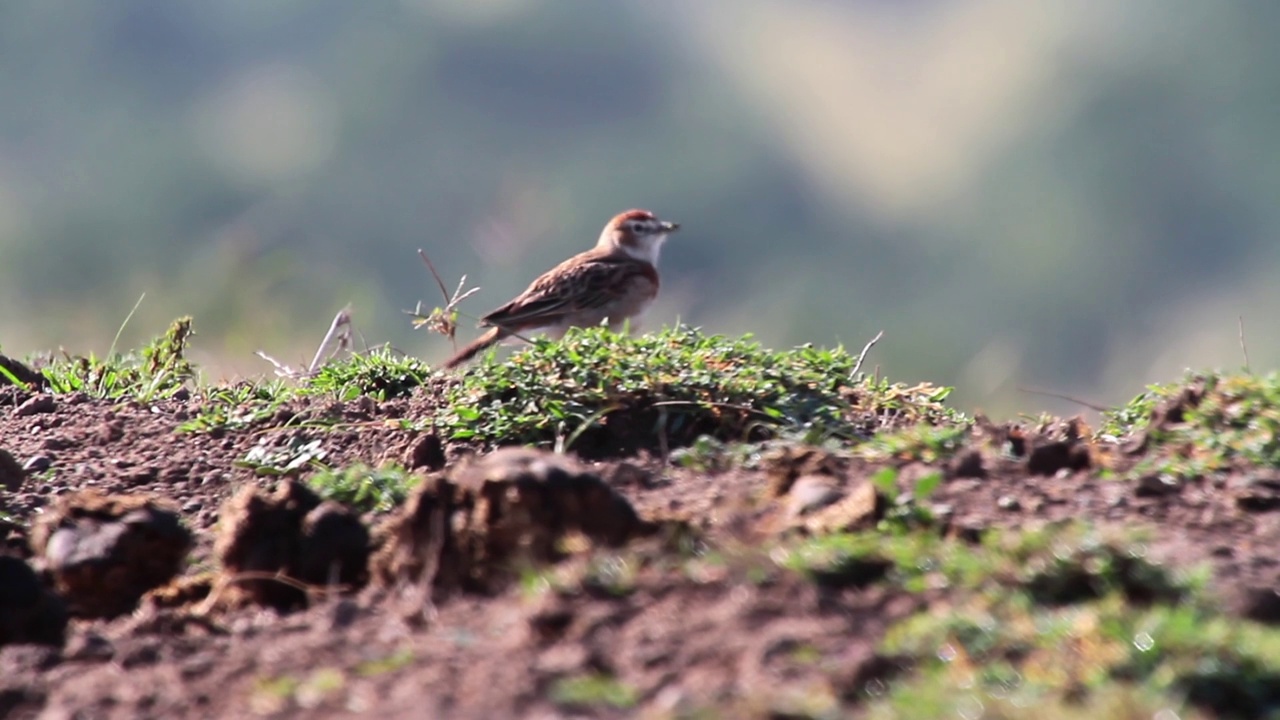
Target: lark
x,y
613,282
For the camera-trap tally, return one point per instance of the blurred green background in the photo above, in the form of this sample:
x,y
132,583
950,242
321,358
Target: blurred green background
x,y
1072,195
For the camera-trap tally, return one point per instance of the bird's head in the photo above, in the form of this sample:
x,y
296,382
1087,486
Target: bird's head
x,y
637,233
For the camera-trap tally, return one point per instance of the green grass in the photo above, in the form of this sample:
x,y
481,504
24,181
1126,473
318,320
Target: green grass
x,y
1061,618
389,664
593,690
922,442
157,371
11,379
1069,620
1225,420
381,374
237,407
364,488
596,387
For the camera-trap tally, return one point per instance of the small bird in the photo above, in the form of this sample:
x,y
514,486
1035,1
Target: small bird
x,y
616,280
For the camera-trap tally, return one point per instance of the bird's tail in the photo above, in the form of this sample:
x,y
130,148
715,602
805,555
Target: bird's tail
x,y
491,337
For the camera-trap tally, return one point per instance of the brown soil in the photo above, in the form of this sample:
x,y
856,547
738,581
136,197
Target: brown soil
x,y
444,617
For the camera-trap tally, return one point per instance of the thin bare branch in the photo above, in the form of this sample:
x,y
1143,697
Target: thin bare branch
x,y
430,266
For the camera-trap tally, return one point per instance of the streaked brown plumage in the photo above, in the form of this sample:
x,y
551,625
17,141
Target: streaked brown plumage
x,y
614,282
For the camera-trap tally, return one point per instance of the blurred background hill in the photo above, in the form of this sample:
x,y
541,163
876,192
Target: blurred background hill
x,y
1074,195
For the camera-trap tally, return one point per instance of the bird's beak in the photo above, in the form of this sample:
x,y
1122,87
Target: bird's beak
x,y
670,226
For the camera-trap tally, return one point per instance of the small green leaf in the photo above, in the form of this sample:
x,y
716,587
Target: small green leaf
x,y
885,480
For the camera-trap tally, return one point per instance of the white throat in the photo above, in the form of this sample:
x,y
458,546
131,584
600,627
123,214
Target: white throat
x,y
647,250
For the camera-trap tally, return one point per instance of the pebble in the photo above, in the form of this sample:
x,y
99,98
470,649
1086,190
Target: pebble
x,y
37,463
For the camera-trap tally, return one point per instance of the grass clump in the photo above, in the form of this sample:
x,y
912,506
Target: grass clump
x,y
1206,424
236,407
364,488
611,393
382,374
159,370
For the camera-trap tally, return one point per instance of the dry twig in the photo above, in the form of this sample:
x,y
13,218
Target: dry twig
x,y
863,355
1243,348
442,320
340,329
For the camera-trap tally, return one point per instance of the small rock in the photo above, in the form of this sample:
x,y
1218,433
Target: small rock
x,y
37,463
787,464
1157,485
860,507
969,530
36,404
110,431
334,547
56,442
810,493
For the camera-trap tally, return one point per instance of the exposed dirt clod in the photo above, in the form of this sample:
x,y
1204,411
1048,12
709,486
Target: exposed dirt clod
x,y
511,507
104,551
270,544
36,405
427,452
29,612
11,473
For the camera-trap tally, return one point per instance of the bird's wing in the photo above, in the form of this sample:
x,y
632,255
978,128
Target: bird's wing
x,y
575,285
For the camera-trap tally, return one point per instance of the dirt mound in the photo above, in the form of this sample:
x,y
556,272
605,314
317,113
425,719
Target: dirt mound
x,y
275,548
105,551
553,593
477,527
